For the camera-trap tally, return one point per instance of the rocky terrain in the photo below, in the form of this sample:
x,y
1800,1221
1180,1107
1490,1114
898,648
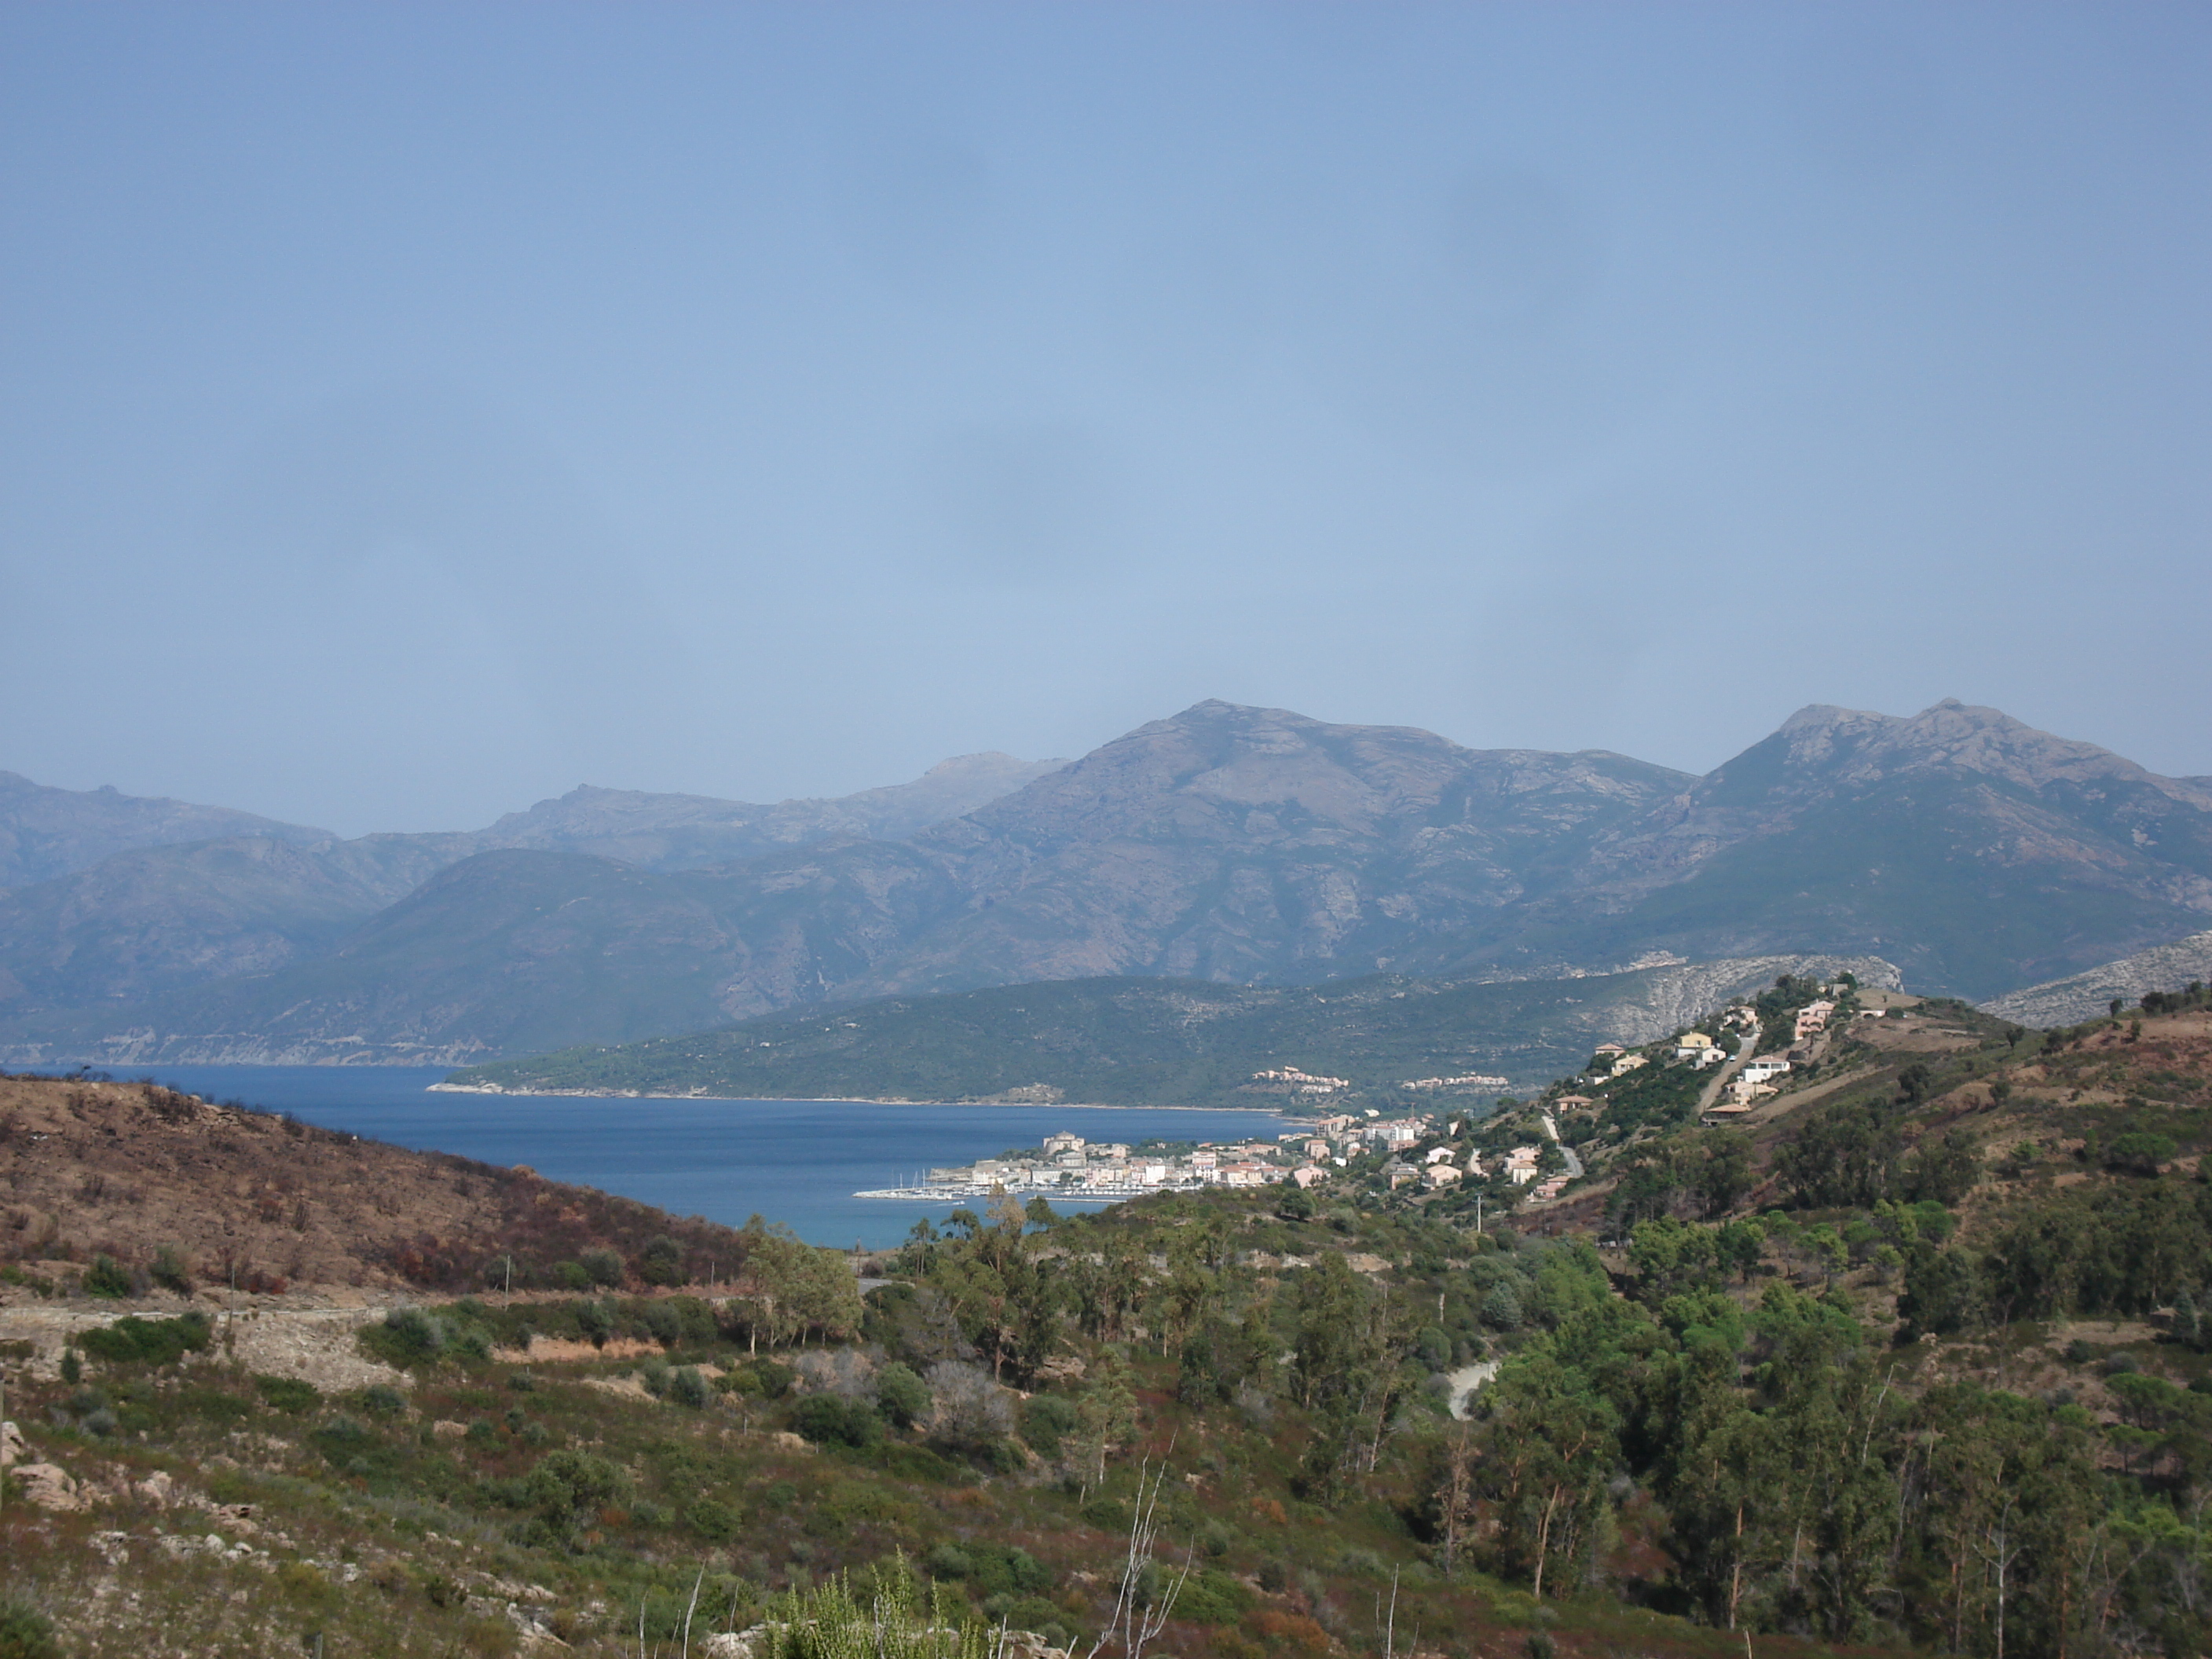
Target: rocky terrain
x,y
2085,995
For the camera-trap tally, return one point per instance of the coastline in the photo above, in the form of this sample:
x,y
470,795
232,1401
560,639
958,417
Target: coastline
x,y
830,1100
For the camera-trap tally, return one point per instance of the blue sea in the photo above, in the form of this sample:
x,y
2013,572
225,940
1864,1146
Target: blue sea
x,y
799,1162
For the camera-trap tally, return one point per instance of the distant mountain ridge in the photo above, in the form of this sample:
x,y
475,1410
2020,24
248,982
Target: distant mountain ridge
x,y
1225,844
159,917
46,832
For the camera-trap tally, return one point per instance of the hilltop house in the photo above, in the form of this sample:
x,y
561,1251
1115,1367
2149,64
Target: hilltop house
x,y
1438,1175
1763,1071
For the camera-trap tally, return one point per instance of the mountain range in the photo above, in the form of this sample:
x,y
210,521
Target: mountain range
x,y
1226,844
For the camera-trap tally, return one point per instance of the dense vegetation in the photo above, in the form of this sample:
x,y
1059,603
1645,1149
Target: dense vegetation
x,y
1123,1041
1920,1363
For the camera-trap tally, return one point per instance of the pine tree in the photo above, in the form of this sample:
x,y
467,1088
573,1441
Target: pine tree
x,y
2188,1327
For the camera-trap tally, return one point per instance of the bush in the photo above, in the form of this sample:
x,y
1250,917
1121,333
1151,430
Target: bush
x,y
572,1276
133,1340
948,1561
104,1279
406,1336
382,1399
25,1632
1046,1421
662,1263
686,1387
288,1393
570,1488
712,1520
596,1320
901,1395
601,1265
1501,1308
170,1271
829,1420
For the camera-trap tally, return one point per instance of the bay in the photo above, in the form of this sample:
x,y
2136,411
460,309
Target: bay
x,y
799,1162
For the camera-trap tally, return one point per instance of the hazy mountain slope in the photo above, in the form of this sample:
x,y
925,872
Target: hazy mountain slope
x,y
1252,844
154,919
678,832
2085,995
46,832
1971,849
515,950
1255,846
1168,1042
146,922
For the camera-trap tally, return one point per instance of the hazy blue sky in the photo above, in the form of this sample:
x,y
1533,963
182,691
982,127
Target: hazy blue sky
x,y
407,412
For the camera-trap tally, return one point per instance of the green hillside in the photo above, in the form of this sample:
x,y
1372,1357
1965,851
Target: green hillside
x,y
1152,1041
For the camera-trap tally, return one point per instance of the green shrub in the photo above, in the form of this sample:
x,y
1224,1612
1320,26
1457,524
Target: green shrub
x,y
948,1561
686,1387
105,1279
712,1520
901,1395
570,1488
133,1340
288,1393
596,1321
25,1632
1046,1421
382,1399
828,1419
572,1276
407,1336
602,1266
169,1270
662,1263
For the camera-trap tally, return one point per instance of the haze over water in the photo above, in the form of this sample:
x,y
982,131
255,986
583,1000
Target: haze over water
x,y
799,1162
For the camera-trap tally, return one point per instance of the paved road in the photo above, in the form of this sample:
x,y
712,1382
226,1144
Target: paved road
x,y
1745,1042
1574,1164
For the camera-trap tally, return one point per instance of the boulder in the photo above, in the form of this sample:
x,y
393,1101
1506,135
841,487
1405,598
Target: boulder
x,y
49,1486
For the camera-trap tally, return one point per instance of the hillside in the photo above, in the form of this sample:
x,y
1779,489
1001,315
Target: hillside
x,y
133,1170
1914,1363
1234,845
2084,996
1167,1042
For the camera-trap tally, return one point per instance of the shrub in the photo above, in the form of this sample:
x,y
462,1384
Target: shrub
x,y
133,1340
948,1561
901,1395
406,1336
382,1399
572,1276
570,1488
662,1263
601,1265
597,1322
170,1271
686,1387
1046,1421
712,1520
1501,1308
288,1393
104,1279
25,1632
827,1420
654,1374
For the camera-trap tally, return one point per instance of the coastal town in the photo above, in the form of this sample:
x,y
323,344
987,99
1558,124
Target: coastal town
x,y
1492,1151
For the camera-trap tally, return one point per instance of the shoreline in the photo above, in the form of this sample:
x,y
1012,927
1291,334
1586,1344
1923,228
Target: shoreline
x,y
829,1100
